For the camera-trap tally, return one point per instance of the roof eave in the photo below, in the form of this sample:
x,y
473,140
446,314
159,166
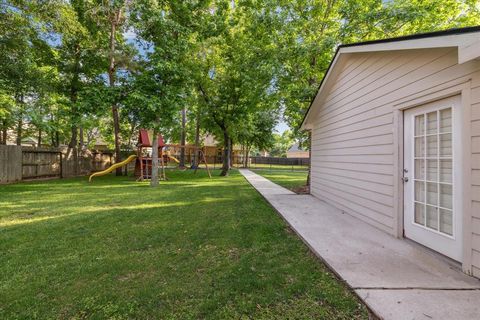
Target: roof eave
x,y
467,40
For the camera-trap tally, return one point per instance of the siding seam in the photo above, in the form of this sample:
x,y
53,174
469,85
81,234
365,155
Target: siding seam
x,y
392,81
356,195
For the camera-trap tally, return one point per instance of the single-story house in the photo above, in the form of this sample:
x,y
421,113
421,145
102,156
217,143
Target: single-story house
x,y
395,139
296,152
30,142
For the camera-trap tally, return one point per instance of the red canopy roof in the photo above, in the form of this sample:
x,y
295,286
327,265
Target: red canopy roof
x,y
145,137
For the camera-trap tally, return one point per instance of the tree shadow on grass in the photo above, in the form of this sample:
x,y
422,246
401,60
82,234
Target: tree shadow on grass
x,y
192,248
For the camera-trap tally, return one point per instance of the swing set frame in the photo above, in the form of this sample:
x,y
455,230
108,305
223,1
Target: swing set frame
x,y
143,165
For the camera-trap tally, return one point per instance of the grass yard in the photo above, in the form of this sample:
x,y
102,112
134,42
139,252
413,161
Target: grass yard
x,y
287,179
194,248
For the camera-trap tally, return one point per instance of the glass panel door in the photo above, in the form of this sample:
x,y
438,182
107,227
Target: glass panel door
x,y
432,176
433,158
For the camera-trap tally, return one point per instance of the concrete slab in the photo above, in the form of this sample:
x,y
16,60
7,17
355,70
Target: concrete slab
x,y
370,260
265,186
423,304
363,255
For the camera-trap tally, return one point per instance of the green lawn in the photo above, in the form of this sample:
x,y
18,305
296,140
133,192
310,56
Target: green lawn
x,y
194,248
287,179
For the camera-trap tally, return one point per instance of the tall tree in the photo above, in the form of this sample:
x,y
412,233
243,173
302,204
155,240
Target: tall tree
x,y
25,55
116,18
79,58
113,16
237,68
257,131
162,84
183,136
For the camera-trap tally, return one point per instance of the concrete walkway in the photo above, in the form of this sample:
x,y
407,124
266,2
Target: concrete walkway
x,y
396,278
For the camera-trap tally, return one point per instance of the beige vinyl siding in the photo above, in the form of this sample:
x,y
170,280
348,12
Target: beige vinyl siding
x,y
475,178
352,163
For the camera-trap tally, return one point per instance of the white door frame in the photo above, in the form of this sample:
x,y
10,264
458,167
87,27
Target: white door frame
x,y
449,245
460,87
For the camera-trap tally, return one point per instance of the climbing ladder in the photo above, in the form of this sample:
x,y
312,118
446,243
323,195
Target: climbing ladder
x,y
146,166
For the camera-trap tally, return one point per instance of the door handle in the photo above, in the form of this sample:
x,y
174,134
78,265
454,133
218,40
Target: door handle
x,y
405,179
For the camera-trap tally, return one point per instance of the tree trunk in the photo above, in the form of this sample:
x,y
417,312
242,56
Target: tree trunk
x,y
73,138
73,146
19,131
74,84
116,125
154,177
231,158
242,153
19,100
132,129
197,140
183,138
81,137
226,154
111,78
4,133
39,139
57,138
246,156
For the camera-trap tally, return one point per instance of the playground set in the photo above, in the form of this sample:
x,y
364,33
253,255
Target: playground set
x,y
143,159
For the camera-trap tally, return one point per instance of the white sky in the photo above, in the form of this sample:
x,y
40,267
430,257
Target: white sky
x,y
281,127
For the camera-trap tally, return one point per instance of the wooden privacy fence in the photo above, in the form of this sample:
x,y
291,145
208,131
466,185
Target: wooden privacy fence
x,y
10,164
38,163
24,163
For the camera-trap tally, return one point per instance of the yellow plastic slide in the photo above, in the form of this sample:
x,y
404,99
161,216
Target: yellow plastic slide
x,y
111,168
172,157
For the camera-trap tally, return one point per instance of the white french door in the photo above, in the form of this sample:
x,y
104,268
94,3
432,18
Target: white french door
x,y
432,176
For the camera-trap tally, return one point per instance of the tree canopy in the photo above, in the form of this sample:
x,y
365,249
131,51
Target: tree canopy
x,y
75,72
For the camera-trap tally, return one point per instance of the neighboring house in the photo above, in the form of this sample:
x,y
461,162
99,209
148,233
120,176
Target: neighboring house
x,y
395,134
26,142
212,147
296,152
29,142
100,144
11,137
263,153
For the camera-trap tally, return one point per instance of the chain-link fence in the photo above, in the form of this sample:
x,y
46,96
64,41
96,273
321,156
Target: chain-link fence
x,y
270,163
